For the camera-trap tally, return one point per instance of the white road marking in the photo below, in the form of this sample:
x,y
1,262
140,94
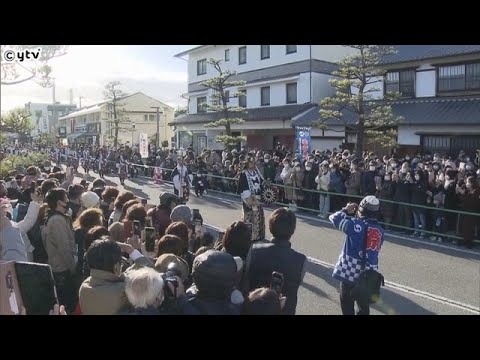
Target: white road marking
x,y
410,290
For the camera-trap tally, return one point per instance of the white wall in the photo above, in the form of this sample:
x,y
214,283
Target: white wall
x,y
407,136
320,86
278,56
325,144
425,81
331,53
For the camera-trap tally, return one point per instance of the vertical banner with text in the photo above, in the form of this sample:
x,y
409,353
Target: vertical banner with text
x,y
143,140
303,142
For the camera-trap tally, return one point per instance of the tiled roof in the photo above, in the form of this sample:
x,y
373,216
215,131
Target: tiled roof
x,y
267,113
407,53
423,111
276,72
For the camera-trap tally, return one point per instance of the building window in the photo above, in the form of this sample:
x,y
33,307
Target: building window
x,y
151,117
242,55
473,76
459,77
145,117
227,55
402,82
264,52
242,98
291,49
227,96
265,95
202,104
202,67
292,93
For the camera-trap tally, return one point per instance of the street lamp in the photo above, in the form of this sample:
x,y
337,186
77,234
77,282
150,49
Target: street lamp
x,y
133,129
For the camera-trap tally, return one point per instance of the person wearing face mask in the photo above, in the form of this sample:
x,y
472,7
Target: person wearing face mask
x,y
368,180
297,182
199,183
387,209
287,178
323,181
469,202
419,197
337,185
59,240
402,194
354,181
451,200
309,183
438,202
269,168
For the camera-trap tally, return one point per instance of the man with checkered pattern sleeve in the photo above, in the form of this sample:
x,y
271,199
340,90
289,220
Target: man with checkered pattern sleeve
x,y
349,264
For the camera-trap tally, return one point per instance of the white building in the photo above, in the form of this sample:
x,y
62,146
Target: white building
x,y
283,82
440,97
94,124
43,115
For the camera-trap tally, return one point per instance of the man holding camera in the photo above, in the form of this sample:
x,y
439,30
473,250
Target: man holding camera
x,y
360,228
274,263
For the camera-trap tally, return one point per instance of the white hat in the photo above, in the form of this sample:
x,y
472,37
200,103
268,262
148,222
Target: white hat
x,y
89,200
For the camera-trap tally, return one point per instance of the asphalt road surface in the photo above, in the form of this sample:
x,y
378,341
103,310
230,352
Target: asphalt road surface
x,y
422,277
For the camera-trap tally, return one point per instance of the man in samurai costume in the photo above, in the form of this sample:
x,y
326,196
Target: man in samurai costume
x,y
250,189
182,180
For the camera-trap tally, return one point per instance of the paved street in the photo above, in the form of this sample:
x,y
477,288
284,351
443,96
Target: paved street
x,y
422,278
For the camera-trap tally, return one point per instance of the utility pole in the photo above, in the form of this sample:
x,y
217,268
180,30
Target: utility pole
x,y
54,113
157,138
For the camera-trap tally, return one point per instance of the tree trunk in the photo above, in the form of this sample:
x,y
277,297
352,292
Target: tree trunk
x,y
361,121
115,140
360,139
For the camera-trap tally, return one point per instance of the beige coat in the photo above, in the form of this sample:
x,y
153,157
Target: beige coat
x,y
60,244
103,293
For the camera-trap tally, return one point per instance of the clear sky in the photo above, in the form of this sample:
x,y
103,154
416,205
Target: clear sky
x,y
86,69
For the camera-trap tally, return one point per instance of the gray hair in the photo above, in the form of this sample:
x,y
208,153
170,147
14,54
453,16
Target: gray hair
x,y
143,287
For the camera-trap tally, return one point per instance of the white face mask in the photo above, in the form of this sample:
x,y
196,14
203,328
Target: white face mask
x,y
308,168
266,161
372,168
387,178
417,177
69,212
468,167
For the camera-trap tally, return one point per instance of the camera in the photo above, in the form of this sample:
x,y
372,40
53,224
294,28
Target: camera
x,y
277,282
170,277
